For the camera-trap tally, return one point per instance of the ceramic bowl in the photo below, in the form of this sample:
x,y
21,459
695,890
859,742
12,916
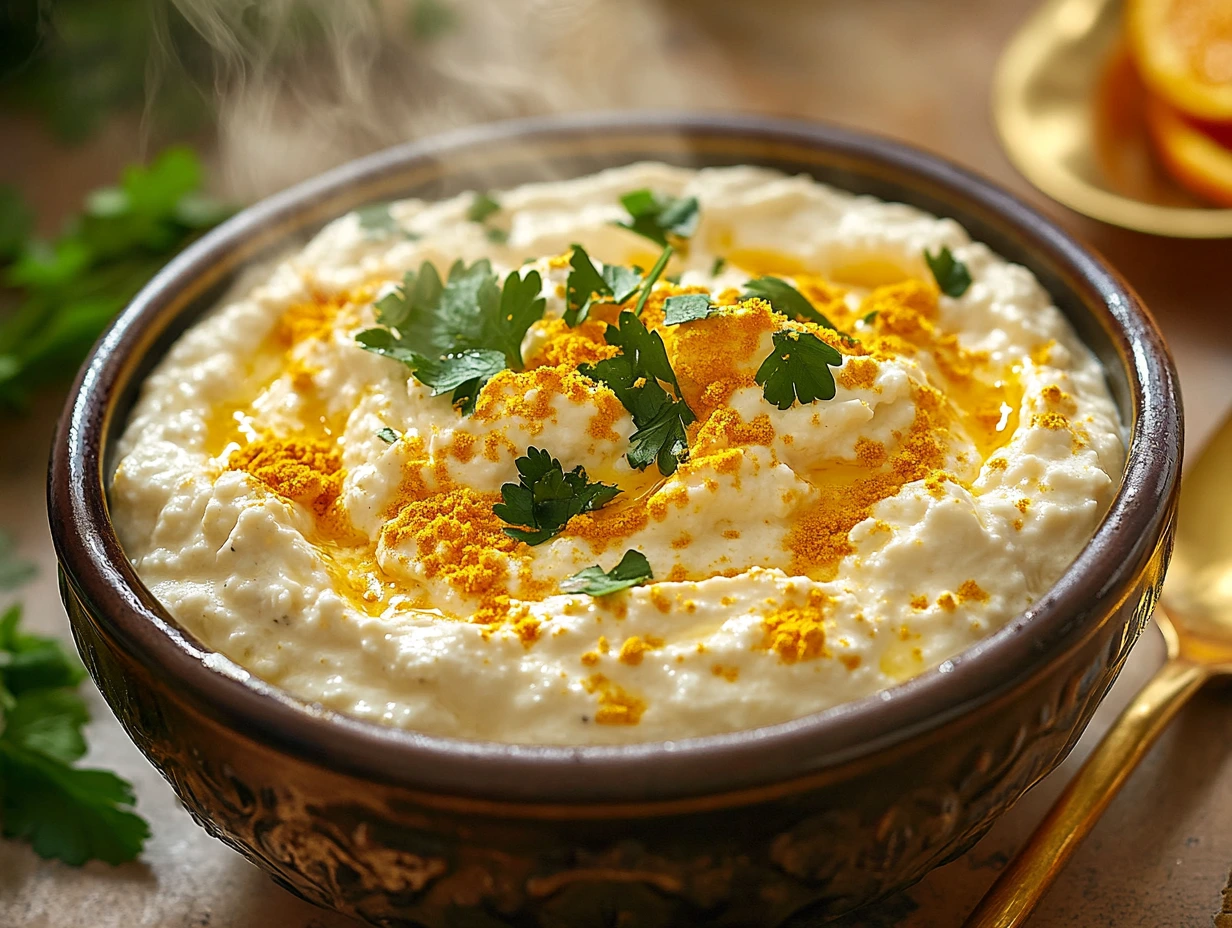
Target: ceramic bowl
x,y
784,825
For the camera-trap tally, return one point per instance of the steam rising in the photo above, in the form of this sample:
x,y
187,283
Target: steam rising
x,y
302,85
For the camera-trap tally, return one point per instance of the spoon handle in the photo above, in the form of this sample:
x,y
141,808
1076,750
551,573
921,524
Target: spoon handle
x,y
1027,877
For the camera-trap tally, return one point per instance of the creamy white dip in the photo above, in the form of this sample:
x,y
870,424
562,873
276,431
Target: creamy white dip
x,y
802,557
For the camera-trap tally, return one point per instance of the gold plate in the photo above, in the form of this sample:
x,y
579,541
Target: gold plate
x,y
1068,108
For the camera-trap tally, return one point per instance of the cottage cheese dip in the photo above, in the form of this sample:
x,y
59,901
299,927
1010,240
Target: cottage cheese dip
x,y
869,443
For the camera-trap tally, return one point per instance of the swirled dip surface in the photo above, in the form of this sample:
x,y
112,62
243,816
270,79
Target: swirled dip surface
x,y
310,510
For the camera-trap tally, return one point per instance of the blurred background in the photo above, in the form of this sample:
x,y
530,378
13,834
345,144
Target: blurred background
x,y
128,127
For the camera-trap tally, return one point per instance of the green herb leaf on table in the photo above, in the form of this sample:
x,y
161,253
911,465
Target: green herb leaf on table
x,y
688,307
952,276
68,813
14,571
660,216
64,812
585,283
787,300
652,278
456,335
798,369
67,290
546,497
32,662
632,570
16,221
636,376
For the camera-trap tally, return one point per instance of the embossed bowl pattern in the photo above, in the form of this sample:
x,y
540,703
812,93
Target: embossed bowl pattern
x,y
785,825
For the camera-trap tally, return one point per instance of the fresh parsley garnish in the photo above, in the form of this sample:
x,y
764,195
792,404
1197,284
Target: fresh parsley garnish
x,y
787,300
387,435
632,570
545,497
659,216
64,812
454,336
585,283
688,307
14,571
377,221
652,278
717,268
496,236
951,275
482,206
636,376
869,318
798,369
64,292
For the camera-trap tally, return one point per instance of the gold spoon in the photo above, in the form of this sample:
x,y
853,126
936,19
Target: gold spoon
x,y
1196,620
1069,109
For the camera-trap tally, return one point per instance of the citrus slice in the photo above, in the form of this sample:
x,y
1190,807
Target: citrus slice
x,y
1184,49
1193,157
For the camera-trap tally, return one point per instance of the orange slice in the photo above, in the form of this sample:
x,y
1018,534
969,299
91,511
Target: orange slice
x,y
1193,157
1184,49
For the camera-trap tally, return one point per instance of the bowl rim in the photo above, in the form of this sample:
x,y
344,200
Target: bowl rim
x,y
741,765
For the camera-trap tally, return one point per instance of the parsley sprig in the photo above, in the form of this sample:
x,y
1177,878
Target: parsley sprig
x,y
585,283
632,570
637,376
660,217
64,812
798,369
456,335
546,497
65,291
952,276
786,299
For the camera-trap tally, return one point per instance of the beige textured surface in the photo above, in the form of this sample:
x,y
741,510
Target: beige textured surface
x,y
907,68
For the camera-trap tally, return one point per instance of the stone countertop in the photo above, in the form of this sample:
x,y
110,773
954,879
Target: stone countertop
x,y
1162,852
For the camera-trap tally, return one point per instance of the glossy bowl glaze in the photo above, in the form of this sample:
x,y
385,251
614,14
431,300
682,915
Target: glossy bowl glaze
x,y
787,824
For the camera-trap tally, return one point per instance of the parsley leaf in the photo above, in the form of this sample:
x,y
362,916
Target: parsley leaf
x,y
387,435
634,376
13,570
545,497
632,570
688,308
67,813
456,335
656,216
798,369
787,300
378,222
66,291
951,274
31,662
585,283
482,206
717,268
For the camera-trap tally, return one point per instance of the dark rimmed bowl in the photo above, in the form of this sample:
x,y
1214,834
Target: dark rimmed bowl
x,y
786,824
